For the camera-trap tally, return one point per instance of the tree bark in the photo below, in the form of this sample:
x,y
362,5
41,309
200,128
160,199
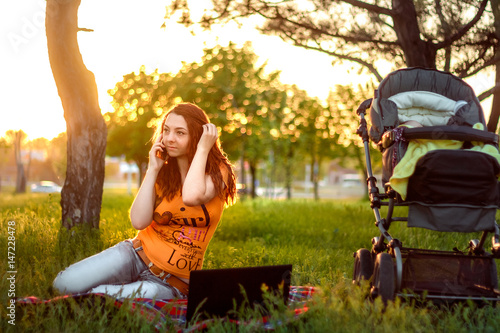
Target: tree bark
x,y
81,196
417,52
495,106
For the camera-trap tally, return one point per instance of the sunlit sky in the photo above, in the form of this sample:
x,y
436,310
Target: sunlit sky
x,y
127,35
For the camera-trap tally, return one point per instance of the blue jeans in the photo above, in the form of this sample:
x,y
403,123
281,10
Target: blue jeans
x,y
117,271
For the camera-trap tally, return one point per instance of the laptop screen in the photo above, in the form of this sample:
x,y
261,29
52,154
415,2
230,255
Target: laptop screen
x,y
212,292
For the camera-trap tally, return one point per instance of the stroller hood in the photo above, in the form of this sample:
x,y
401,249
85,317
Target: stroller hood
x,y
384,113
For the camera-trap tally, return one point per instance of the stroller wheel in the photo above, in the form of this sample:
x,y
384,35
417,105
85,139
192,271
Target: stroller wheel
x,y
383,278
363,266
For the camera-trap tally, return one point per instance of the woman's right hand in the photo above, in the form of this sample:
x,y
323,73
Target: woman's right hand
x,y
157,150
141,211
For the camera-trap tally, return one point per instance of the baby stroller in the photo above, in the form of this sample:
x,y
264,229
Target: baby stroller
x,y
442,165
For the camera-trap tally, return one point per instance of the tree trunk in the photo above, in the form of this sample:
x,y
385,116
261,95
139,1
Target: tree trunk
x,y
28,165
288,171
417,52
495,107
20,179
81,196
253,176
21,176
315,177
243,181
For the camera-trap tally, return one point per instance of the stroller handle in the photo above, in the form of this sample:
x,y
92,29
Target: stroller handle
x,y
364,106
459,133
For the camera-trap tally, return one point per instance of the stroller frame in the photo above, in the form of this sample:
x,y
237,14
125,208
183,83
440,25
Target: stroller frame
x,y
388,261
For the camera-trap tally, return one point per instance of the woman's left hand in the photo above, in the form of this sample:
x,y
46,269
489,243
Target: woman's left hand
x,y
198,187
208,137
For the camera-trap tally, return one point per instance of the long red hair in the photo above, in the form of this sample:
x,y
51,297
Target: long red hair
x,y
169,180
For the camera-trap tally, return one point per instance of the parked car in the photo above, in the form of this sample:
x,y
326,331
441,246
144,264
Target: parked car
x,y
45,186
351,180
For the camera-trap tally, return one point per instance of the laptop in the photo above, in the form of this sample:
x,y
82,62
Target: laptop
x,y
212,292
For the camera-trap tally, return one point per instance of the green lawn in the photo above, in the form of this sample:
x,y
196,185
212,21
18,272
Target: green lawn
x,y
318,238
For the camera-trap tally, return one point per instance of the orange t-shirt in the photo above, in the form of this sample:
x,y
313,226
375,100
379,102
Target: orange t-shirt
x,y
178,236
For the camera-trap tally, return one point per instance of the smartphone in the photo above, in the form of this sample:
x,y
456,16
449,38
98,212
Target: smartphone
x,y
163,155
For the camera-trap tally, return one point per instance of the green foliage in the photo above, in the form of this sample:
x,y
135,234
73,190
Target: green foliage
x,y
452,35
317,237
343,103
138,101
262,120
229,86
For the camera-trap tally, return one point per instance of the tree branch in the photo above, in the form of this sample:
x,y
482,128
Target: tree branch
x,y
362,62
489,92
493,61
371,8
462,31
318,31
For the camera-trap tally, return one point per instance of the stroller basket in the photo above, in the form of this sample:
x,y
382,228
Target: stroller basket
x,y
449,275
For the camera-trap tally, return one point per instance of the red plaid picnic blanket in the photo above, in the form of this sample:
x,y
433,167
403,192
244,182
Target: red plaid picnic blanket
x,y
171,310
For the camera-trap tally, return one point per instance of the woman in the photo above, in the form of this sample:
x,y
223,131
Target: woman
x,y
177,209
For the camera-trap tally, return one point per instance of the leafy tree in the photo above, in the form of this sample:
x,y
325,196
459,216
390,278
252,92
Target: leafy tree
x,y
453,35
229,86
282,137
5,146
225,83
261,119
138,101
343,103
316,135
81,195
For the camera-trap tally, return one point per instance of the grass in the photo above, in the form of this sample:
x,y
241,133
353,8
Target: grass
x,y
318,238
